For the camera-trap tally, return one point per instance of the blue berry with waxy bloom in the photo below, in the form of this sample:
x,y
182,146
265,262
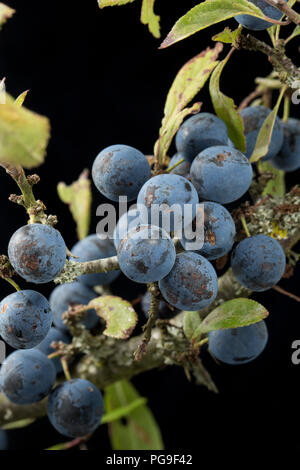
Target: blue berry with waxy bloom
x,y
147,254
159,194
25,319
253,119
90,249
27,377
126,223
219,232
257,24
45,346
68,295
258,262
200,132
237,346
183,168
192,284
120,170
221,174
288,159
75,408
37,252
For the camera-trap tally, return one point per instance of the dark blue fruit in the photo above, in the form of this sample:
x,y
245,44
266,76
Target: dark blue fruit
x,y
183,168
37,252
238,345
27,376
200,132
92,248
256,24
126,223
258,262
221,174
45,346
164,311
67,295
288,159
253,118
120,170
192,284
3,440
219,232
159,194
147,254
75,408
25,319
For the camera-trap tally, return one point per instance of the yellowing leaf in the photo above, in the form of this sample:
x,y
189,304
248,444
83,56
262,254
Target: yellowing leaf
x,y
5,13
21,98
79,197
265,134
227,36
112,3
226,109
118,314
188,82
139,431
24,135
148,17
22,423
208,13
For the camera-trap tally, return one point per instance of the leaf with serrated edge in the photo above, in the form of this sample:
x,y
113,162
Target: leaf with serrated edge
x,y
118,314
265,134
191,322
140,431
227,36
276,185
5,13
226,109
79,198
188,82
232,314
24,135
208,13
148,17
112,3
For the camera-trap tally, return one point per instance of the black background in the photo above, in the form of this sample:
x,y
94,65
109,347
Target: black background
x,y
100,78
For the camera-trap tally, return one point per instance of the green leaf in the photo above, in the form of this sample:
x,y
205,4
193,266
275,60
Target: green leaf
x,y
226,109
24,135
112,3
140,432
294,34
206,14
191,322
148,17
79,197
227,36
232,314
119,315
265,134
21,98
123,411
276,185
22,423
188,82
5,13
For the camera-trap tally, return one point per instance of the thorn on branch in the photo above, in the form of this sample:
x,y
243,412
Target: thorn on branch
x,y
153,312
